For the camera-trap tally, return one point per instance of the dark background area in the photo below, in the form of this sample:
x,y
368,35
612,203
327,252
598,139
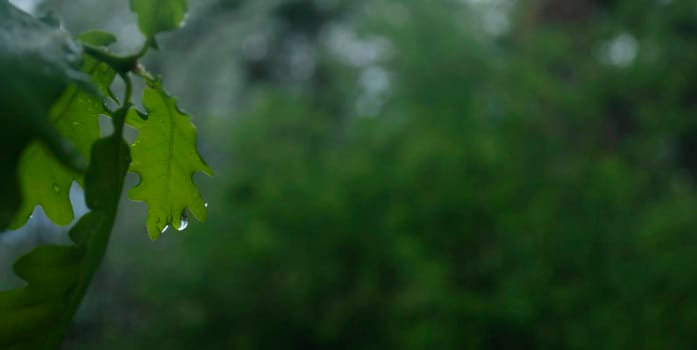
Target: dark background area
x,y
415,174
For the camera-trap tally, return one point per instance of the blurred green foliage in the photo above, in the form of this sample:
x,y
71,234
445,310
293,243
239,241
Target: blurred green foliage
x,y
526,189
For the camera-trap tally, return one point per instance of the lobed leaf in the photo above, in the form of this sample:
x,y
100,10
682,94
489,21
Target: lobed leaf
x,y
165,158
45,181
37,62
37,316
155,16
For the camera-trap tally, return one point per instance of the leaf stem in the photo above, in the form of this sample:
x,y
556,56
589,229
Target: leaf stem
x,y
143,50
129,88
119,117
121,64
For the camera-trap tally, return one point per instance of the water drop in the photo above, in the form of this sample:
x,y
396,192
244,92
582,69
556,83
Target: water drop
x,y
164,229
183,222
110,105
205,204
184,20
142,115
56,188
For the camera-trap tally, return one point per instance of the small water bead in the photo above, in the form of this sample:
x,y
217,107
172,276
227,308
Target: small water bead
x,y
183,222
142,115
110,105
164,229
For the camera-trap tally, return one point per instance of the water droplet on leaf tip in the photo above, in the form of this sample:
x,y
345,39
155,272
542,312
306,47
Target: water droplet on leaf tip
x,y
183,222
205,204
164,229
142,115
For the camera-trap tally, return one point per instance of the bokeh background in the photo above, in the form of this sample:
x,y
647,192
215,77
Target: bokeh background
x,y
414,174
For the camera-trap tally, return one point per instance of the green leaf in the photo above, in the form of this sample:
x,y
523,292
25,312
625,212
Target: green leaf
x,y
37,62
165,158
37,316
97,38
44,180
155,16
